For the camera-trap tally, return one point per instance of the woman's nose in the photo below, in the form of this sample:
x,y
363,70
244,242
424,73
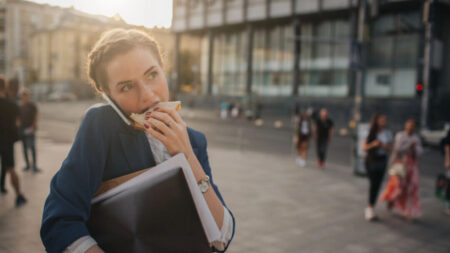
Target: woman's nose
x,y
146,93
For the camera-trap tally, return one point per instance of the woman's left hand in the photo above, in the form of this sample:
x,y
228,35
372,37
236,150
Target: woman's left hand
x,y
167,126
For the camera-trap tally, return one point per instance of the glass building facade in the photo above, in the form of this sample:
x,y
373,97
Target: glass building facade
x,y
273,60
393,55
324,59
286,52
229,64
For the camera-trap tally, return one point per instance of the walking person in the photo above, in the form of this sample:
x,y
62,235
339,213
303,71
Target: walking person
x,y
28,127
224,110
402,190
377,146
323,134
9,114
303,133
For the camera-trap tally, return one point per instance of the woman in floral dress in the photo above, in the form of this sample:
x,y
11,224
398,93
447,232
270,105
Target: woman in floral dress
x,y
402,190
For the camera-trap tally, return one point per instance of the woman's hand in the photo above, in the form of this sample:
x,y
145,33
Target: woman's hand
x,y
167,126
375,144
95,249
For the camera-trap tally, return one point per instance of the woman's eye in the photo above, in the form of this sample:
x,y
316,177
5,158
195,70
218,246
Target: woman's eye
x,y
152,75
126,87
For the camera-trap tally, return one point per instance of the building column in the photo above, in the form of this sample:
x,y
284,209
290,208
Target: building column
x,y
353,58
210,61
427,61
249,32
297,49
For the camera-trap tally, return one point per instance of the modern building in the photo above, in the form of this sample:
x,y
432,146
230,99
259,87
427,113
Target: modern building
x,y
21,19
57,56
46,47
346,55
2,36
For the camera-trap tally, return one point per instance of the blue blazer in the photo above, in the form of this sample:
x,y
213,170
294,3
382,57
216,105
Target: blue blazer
x,y
104,148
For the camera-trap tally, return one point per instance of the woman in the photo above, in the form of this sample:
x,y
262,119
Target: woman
x,y
127,66
303,132
377,145
402,190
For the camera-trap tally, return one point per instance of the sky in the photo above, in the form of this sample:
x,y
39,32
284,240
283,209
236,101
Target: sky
x,y
148,13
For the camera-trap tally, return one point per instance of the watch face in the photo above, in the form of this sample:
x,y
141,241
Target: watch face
x,y
203,187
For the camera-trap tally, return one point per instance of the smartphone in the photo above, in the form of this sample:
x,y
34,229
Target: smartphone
x,y
117,109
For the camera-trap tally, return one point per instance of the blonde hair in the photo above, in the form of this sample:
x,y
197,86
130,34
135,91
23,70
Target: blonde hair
x,y
112,43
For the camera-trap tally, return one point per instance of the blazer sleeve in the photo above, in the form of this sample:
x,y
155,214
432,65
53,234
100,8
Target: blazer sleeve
x,y
204,161
68,204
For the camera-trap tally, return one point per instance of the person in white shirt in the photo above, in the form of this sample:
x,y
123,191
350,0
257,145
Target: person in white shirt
x,y
301,139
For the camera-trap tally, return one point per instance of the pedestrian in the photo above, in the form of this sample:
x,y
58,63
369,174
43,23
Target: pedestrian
x,y
377,147
235,112
224,110
126,66
402,191
230,107
303,133
258,109
323,134
446,144
28,127
295,118
13,90
9,114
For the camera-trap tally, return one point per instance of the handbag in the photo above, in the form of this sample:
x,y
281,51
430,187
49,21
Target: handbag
x,y
441,187
397,169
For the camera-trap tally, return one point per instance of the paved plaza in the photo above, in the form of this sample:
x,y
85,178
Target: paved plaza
x,y
279,207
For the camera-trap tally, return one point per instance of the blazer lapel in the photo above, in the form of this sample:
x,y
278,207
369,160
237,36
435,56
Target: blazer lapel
x,y
137,151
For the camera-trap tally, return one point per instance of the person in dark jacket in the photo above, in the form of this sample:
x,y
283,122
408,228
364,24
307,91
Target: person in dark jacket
x,y
9,114
377,146
323,134
28,128
126,65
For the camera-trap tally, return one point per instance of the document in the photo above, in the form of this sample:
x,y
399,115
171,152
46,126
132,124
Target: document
x,y
158,210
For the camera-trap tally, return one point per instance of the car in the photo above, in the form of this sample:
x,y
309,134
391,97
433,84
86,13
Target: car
x,y
61,96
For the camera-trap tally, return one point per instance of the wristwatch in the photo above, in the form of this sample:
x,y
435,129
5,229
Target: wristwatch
x,y
203,184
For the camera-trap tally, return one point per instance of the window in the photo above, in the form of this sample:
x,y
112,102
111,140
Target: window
x,y
273,56
324,59
392,56
229,64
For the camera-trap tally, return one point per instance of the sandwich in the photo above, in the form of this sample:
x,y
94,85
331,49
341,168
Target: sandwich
x,y
139,119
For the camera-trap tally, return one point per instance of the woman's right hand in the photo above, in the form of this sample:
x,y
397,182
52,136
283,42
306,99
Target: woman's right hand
x,y
94,249
375,143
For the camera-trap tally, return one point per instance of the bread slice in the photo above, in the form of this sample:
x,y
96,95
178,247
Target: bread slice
x,y
139,119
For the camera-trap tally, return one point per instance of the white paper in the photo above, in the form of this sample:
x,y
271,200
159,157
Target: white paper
x,y
209,224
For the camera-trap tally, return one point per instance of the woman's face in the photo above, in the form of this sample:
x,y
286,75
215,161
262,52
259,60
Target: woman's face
x,y
382,120
410,126
136,81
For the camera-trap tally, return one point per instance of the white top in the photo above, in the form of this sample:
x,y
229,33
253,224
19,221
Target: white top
x,y
305,127
385,137
160,154
402,146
